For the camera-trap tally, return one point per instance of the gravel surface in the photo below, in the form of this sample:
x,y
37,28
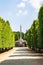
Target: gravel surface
x,y
23,62
22,56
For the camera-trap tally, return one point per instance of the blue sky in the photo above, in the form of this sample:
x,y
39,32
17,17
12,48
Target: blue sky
x,y
20,12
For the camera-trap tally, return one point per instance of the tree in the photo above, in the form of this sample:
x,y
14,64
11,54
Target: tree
x,y
28,37
2,24
7,39
34,34
17,35
40,17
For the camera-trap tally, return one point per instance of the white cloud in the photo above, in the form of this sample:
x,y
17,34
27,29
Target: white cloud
x,y
21,5
24,0
41,0
35,3
25,12
20,12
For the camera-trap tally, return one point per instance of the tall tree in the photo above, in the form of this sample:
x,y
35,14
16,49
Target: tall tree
x,y
40,17
2,24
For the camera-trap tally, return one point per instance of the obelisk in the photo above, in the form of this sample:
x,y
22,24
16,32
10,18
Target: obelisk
x,y
20,32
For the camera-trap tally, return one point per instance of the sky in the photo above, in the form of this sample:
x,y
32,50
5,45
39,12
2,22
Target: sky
x,y
20,12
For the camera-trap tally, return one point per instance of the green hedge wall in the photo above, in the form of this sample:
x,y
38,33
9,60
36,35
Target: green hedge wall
x,y
7,39
34,35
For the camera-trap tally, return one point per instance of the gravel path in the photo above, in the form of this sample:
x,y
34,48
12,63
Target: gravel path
x,y
23,56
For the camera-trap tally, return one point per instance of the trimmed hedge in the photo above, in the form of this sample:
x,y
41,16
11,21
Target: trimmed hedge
x,y
34,35
7,39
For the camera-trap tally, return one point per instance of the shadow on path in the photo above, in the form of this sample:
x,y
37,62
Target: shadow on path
x,y
23,62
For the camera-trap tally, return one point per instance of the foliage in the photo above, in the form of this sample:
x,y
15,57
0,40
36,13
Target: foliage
x,y
36,34
6,35
17,35
40,17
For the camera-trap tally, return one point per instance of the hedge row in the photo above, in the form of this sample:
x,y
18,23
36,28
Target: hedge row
x,y
34,35
6,35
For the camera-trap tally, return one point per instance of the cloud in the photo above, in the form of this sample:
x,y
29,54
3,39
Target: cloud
x,y
25,12
21,5
35,3
25,0
41,0
20,12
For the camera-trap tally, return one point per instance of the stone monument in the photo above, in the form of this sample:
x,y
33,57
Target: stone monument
x,y
20,32
21,42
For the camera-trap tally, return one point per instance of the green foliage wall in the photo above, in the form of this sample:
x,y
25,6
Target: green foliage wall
x,y
7,39
40,17
36,32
